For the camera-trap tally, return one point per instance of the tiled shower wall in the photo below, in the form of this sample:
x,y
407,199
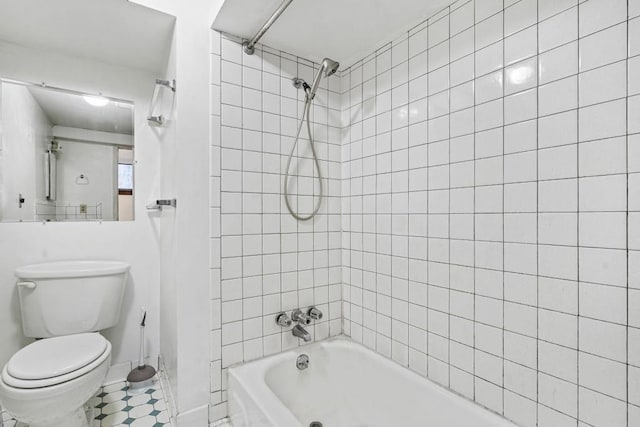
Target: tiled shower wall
x,y
491,206
263,261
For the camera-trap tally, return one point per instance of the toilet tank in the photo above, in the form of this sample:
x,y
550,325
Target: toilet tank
x,y
70,297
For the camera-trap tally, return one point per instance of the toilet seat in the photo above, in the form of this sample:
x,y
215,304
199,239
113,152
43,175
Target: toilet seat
x,y
52,361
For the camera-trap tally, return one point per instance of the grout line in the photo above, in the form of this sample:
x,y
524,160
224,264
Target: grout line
x,y
578,227
448,16
504,97
427,238
627,370
537,302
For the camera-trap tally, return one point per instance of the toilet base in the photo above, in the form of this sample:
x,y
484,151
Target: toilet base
x,y
78,418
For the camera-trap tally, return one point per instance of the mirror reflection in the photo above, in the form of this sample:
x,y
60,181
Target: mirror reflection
x,y
64,156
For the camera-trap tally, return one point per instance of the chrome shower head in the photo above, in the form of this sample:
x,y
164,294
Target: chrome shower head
x,y
328,67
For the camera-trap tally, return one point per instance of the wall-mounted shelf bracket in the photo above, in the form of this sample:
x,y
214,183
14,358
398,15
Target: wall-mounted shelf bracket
x,y
169,84
158,204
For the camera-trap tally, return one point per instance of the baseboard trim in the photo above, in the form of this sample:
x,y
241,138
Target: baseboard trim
x,y
196,417
167,392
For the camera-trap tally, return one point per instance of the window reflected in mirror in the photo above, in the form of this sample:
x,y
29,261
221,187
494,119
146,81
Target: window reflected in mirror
x,y
64,155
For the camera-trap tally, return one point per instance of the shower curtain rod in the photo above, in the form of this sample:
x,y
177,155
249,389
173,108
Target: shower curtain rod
x,y
249,45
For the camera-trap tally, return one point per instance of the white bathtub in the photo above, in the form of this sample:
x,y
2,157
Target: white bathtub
x,y
345,385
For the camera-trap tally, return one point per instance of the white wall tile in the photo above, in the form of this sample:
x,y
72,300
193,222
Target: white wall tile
x,y
603,302
558,261
604,47
559,361
558,229
558,328
521,76
520,137
634,8
633,112
547,8
606,156
485,9
520,16
634,37
557,294
603,230
461,18
558,394
603,193
558,96
558,30
480,153
597,408
607,376
603,84
489,58
559,162
490,30
559,62
602,120
596,15
603,339
258,245
548,417
606,266
558,129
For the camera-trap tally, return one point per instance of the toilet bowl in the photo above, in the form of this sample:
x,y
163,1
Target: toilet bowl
x,y
48,383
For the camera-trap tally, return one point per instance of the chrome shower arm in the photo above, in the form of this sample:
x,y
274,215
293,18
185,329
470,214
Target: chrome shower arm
x,y
249,45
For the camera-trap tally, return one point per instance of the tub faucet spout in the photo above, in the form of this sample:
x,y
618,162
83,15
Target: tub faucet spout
x,y
300,332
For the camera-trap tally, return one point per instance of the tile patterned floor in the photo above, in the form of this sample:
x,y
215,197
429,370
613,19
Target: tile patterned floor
x,y
117,406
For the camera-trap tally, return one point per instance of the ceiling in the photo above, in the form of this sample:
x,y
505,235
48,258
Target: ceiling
x,y
65,109
116,32
345,30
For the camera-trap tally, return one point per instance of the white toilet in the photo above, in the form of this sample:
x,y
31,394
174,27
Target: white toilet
x,y
49,382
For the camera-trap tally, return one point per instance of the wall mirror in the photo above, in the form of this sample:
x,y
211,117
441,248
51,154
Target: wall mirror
x,y
64,155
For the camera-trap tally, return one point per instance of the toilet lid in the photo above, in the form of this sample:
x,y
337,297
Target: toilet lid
x,y
53,357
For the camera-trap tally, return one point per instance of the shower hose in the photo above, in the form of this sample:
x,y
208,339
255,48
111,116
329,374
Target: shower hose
x,y
307,107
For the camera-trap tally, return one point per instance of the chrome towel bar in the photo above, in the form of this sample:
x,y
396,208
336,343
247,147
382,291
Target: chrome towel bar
x,y
159,119
158,204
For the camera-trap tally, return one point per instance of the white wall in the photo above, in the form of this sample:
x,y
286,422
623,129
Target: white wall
x,y
491,191
191,163
98,164
1,160
168,279
26,132
136,242
185,241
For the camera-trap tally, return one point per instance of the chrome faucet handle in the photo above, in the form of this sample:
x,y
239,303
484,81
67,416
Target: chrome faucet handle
x,y
283,320
300,317
314,313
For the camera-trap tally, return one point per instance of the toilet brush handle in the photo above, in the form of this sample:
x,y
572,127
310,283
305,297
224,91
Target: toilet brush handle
x,y
142,325
141,360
